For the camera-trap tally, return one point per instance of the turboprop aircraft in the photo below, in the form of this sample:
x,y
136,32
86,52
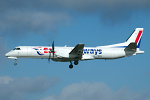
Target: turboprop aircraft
x,y
79,52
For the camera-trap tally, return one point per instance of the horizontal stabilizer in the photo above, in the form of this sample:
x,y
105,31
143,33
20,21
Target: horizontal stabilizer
x,y
131,47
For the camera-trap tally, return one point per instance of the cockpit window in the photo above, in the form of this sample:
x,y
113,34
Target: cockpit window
x,y
17,49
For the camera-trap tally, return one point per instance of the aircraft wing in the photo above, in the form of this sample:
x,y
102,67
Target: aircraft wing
x,y
77,51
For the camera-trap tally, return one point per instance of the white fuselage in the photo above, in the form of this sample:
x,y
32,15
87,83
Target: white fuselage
x,y
62,53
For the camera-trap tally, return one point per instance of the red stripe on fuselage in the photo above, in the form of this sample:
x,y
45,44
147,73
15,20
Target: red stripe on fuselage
x,y
138,36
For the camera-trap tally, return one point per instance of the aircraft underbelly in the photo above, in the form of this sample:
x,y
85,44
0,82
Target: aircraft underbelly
x,y
62,60
113,54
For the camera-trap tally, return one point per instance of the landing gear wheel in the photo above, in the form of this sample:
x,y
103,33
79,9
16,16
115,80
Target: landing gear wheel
x,y
15,64
71,66
76,62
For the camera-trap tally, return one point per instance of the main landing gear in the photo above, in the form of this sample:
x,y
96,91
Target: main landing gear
x,y
76,62
71,66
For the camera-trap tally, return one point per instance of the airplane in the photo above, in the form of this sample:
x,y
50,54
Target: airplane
x,y
79,52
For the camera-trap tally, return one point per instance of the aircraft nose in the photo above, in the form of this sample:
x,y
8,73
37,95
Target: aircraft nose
x,y
7,54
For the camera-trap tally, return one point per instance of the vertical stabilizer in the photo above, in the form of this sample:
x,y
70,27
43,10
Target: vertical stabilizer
x,y
136,37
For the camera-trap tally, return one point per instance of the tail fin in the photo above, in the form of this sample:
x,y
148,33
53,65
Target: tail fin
x,y
136,37
134,43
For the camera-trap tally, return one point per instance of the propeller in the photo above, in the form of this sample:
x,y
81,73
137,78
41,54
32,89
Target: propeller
x,y
52,50
49,56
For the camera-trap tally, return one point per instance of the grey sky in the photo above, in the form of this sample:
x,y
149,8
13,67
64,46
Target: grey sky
x,y
96,91
18,88
40,16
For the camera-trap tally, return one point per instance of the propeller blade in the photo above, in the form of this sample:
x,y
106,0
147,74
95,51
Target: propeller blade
x,y
48,60
53,48
49,56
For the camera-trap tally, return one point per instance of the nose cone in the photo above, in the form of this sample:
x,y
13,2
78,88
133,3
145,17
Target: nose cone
x,y
8,54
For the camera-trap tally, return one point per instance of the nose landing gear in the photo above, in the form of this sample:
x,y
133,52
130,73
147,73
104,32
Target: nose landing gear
x,y
15,62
